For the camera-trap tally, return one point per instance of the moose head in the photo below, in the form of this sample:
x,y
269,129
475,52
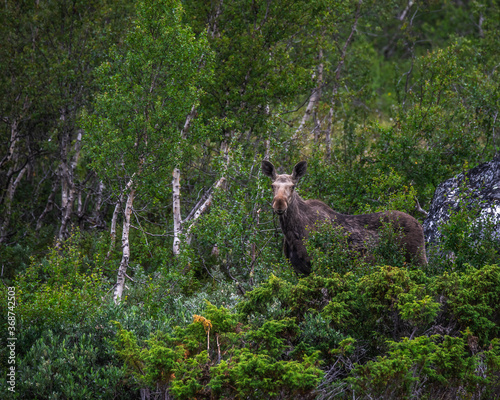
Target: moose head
x,y
283,185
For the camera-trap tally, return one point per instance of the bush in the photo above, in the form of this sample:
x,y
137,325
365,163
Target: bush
x,y
70,366
216,355
328,248
471,300
435,367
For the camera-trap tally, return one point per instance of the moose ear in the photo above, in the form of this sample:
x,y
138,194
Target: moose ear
x,y
299,170
269,170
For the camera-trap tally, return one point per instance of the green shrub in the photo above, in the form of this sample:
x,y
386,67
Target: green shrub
x,y
389,251
471,300
328,248
389,191
70,366
388,298
317,334
61,288
216,355
433,367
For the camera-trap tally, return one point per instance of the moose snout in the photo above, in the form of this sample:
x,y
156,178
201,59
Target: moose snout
x,y
279,206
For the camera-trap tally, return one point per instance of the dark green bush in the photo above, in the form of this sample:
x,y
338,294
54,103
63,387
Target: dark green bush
x,y
432,367
328,248
71,366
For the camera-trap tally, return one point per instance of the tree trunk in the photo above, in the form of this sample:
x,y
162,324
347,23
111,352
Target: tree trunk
x,y
50,202
68,192
268,150
96,214
203,207
112,231
122,270
317,126
212,28
176,210
200,208
328,134
254,247
7,196
8,203
314,99
14,138
188,121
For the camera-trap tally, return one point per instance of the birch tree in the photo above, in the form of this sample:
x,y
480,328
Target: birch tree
x,y
135,132
48,53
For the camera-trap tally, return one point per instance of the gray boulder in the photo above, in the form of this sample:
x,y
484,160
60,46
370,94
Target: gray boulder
x,y
481,186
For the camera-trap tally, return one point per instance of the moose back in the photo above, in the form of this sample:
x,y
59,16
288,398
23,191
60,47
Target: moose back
x,y
297,217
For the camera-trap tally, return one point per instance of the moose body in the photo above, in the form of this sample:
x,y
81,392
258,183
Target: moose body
x,y
298,217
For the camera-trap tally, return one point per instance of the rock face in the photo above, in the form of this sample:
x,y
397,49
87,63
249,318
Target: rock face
x,y
480,184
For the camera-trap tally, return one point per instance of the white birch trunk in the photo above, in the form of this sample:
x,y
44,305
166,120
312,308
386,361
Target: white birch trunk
x,y
112,231
313,100
203,208
68,187
14,138
268,150
176,187
122,270
187,123
96,214
212,29
219,184
328,134
114,219
11,155
79,209
403,14
64,168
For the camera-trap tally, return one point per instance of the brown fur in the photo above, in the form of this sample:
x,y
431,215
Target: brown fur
x,y
298,217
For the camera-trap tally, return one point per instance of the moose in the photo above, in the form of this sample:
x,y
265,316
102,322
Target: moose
x,y
298,217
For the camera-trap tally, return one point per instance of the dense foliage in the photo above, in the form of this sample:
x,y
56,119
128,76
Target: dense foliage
x,y
102,100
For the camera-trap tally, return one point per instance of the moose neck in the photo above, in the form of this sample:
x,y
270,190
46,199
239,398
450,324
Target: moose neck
x,y
292,221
